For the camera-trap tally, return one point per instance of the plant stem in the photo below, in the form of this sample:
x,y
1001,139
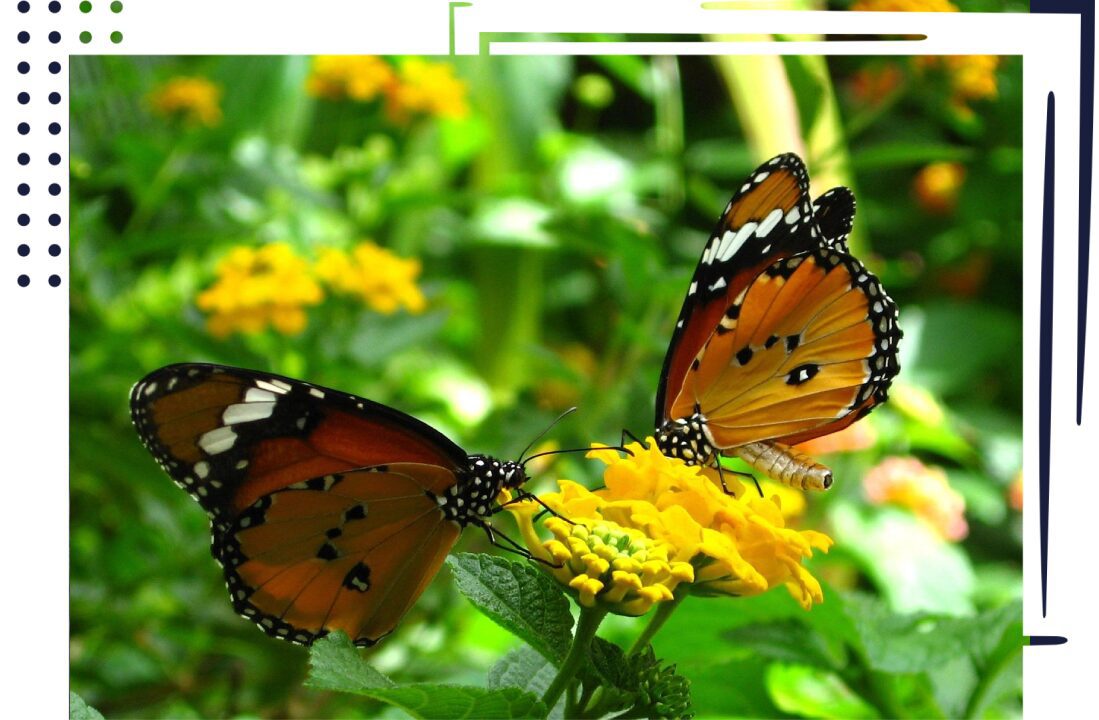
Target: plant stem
x,y
663,611
578,653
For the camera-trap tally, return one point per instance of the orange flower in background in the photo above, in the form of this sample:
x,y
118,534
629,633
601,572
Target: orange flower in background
x,y
937,187
904,6
257,288
428,88
907,482
195,100
354,77
1015,492
854,437
872,85
382,280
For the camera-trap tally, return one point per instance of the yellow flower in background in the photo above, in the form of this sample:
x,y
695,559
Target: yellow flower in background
x,y
907,482
383,281
735,545
354,77
937,187
195,100
255,288
429,88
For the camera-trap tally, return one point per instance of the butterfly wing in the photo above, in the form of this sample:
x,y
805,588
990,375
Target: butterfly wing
x,y
768,218
319,500
806,349
349,551
834,213
229,436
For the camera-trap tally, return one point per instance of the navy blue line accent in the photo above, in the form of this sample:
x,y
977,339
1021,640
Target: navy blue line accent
x,y
1086,10
1045,640
1045,343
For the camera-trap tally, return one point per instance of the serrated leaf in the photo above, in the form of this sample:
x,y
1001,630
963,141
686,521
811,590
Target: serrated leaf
x,y
609,662
523,668
80,710
788,641
814,692
335,664
461,701
518,598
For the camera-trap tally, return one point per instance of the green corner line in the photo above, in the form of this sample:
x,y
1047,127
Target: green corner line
x,y
453,6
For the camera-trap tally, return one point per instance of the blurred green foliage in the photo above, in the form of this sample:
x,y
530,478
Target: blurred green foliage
x,y
557,223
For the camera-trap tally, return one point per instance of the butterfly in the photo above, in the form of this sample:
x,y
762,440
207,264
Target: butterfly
x,y
784,336
327,511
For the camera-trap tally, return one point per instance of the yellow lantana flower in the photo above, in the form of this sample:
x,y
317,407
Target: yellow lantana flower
x,y
429,88
937,186
355,77
381,279
605,565
255,288
196,100
736,545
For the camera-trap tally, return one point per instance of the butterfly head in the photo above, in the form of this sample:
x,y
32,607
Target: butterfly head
x,y
473,497
687,439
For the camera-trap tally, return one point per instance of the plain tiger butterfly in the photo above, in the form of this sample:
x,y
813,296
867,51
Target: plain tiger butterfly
x,y
784,336
327,511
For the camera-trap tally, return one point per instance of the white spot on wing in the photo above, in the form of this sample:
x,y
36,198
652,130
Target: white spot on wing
x,y
731,243
272,386
793,216
247,412
316,393
257,395
217,440
769,222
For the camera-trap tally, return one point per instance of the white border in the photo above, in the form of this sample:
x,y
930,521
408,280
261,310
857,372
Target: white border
x,y
35,364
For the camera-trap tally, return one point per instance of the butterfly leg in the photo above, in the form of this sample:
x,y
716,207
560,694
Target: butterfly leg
x,y
725,488
504,542
524,495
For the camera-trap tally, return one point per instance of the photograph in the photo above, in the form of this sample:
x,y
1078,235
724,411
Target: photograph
x,y
582,386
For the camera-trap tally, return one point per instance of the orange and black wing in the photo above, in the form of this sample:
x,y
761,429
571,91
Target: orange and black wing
x,y
807,348
768,218
229,436
259,451
348,551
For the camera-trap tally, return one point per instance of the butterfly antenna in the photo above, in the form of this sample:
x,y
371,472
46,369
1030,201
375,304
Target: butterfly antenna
x,y
542,434
575,450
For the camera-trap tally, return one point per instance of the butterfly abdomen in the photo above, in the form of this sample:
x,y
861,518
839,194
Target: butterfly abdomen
x,y
785,464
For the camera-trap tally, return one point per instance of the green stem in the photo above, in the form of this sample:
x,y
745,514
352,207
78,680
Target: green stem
x,y
578,653
663,611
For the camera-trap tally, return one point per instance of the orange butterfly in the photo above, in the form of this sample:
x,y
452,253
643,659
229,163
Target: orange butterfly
x,y
327,511
784,336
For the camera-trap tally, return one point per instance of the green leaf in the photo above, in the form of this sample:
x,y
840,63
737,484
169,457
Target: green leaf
x,y
908,561
610,663
517,597
461,701
523,668
812,692
80,710
336,664
905,153
788,641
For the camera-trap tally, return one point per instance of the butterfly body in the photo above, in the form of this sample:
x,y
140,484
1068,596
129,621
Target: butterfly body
x,y
328,511
783,336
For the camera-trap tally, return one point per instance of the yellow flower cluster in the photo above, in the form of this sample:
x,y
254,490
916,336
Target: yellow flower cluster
x,y
924,490
195,100
260,287
355,77
382,280
736,545
972,77
272,286
610,565
414,87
